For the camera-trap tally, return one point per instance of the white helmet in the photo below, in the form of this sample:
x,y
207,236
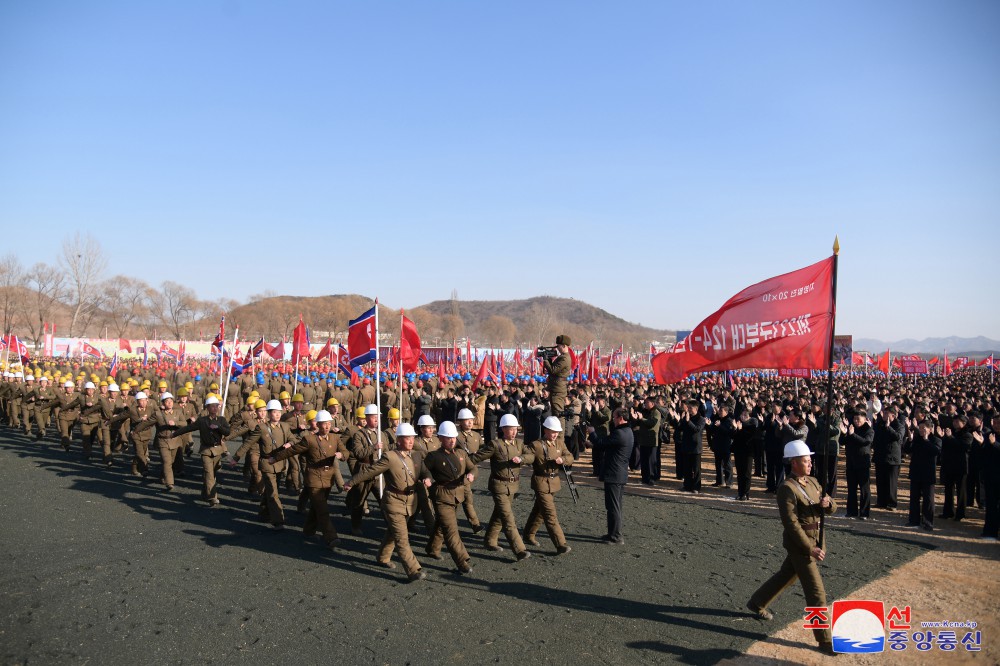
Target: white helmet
x,y
371,410
68,384
29,377
142,396
165,395
465,414
89,385
405,430
447,429
552,423
796,449
508,420
113,388
274,405
425,420
322,416
210,400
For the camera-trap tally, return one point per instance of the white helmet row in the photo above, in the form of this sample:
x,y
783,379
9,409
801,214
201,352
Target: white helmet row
x,y
425,420
796,449
141,395
322,416
210,400
165,395
405,430
275,405
371,410
552,423
464,414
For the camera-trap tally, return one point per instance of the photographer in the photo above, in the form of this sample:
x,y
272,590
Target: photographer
x,y
558,368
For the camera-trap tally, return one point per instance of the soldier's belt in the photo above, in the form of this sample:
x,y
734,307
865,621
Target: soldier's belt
x,y
456,483
550,475
810,526
397,491
508,480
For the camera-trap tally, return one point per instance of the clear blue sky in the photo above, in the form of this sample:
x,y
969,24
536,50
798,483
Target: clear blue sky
x,y
652,158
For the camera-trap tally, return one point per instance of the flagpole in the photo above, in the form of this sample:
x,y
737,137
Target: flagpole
x,y
400,379
229,370
827,488
378,403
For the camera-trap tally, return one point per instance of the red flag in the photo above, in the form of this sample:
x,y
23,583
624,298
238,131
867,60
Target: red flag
x,y
782,322
857,359
628,365
277,352
988,361
442,379
468,352
326,351
91,350
481,375
124,345
947,365
960,362
300,342
409,345
883,362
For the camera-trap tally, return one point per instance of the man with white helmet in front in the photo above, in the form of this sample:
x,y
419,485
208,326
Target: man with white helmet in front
x,y
111,405
400,468
90,417
211,428
43,405
550,454
801,505
321,453
28,402
506,455
142,418
470,441
423,444
448,468
68,403
365,448
168,420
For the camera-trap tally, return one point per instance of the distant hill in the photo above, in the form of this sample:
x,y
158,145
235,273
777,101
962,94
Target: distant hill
x,y
956,346
526,322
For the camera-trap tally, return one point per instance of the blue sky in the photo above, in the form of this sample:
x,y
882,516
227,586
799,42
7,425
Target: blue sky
x,y
651,158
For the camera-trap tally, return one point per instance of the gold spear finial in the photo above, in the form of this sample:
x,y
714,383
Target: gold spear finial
x,y
836,244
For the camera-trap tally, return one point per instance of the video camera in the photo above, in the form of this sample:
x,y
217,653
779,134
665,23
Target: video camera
x,y
546,353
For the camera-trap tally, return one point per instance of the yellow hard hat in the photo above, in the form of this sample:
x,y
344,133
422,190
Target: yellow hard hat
x,y
393,413
311,414
182,392
94,377
359,412
259,404
284,395
332,401
188,385
298,398
213,387
162,384
254,392
252,399
104,382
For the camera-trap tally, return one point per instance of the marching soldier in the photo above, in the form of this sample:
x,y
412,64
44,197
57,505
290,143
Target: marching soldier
x,y
469,441
142,418
168,420
43,399
211,429
423,445
506,455
549,455
366,448
448,469
400,469
68,404
90,417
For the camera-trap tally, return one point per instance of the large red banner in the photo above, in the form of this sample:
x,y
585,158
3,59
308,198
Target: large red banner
x,y
913,366
783,322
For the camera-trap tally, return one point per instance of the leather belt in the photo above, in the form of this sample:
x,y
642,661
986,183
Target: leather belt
x,y
547,476
397,491
454,484
510,480
810,526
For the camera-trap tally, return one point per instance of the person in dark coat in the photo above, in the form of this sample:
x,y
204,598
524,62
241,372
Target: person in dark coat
x,y
723,428
887,452
690,426
615,451
647,418
857,438
774,464
924,449
743,440
955,448
990,469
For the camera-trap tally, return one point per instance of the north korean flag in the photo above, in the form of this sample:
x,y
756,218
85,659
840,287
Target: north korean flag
x,y
361,339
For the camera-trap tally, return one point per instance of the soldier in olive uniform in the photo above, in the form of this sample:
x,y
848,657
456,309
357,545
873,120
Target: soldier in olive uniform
x,y
448,468
43,399
90,417
142,418
211,428
549,455
68,404
400,469
506,455
559,370
801,502
321,451
425,443
469,441
168,420
366,448
249,429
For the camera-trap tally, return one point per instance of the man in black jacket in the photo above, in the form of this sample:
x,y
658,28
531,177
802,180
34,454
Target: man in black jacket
x,y
723,428
888,455
615,451
955,448
743,440
857,438
924,449
990,469
690,426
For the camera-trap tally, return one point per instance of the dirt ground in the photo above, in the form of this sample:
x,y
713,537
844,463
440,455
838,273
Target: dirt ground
x,y
105,568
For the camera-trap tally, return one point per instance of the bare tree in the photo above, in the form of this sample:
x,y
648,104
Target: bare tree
x,y
498,329
538,325
11,290
45,287
125,301
179,307
83,260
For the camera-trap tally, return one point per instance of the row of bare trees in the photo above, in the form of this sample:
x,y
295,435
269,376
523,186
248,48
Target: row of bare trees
x,y
76,296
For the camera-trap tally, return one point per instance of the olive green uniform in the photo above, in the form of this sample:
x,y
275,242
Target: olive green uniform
x,y
505,481
546,483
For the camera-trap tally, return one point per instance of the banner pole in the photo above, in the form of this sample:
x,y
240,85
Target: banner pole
x,y
378,403
826,485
